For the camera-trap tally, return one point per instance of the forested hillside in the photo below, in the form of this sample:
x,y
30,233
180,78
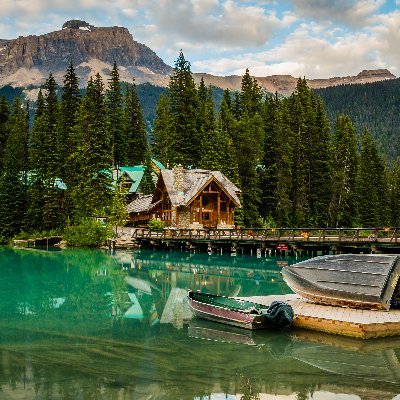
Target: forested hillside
x,y
372,105
292,167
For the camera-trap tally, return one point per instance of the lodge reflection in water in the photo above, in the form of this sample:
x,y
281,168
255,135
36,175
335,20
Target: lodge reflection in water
x,y
83,324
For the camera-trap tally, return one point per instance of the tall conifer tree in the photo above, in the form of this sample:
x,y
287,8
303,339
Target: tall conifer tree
x,y
164,126
91,193
394,193
301,126
50,168
34,219
345,165
248,140
135,127
69,106
184,144
275,171
147,184
114,100
13,179
4,113
320,168
372,189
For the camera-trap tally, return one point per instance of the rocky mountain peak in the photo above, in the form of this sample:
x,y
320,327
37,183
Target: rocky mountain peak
x,y
77,24
29,60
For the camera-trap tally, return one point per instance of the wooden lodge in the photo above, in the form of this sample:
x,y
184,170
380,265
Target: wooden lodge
x,y
188,199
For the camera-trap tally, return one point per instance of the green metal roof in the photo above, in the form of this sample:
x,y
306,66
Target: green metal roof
x,y
135,176
158,164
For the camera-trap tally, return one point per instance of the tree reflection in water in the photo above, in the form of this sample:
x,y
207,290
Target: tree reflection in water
x,y
73,326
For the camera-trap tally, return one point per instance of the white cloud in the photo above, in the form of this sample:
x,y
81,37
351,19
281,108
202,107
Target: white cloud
x,y
315,38
309,52
214,23
353,12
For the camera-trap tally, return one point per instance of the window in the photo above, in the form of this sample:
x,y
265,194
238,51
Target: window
x,y
205,216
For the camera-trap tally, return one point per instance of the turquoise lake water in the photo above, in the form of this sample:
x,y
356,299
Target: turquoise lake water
x,y
84,324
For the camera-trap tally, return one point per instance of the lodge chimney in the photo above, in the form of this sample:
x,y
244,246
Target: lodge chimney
x,y
178,171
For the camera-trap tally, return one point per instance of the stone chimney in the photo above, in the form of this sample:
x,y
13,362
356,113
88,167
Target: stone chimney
x,y
178,171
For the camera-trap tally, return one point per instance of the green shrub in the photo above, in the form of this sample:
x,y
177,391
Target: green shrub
x,y
156,224
87,233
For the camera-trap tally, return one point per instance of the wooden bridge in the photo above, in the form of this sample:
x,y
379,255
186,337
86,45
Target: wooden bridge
x,y
325,240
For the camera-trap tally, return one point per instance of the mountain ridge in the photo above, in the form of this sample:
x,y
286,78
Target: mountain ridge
x,y
90,49
29,60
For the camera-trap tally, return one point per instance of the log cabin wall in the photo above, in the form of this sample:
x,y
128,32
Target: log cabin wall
x,y
211,207
193,199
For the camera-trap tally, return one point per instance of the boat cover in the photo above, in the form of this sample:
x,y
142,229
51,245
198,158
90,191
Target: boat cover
x,y
355,280
279,314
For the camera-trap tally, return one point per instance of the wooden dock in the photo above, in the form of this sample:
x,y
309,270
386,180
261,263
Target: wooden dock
x,y
364,324
273,240
47,242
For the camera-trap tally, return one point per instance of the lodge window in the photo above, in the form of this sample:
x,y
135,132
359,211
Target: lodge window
x,y
205,216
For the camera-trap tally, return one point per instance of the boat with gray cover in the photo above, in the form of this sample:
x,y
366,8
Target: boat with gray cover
x,y
354,280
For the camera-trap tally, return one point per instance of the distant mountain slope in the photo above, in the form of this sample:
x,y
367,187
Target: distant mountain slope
x,y
285,84
29,60
373,105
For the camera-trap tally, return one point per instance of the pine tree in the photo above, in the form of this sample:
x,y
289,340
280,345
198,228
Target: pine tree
x,y
4,114
345,165
183,105
34,219
225,132
248,140
394,193
372,186
205,112
13,178
250,96
91,192
147,185
115,111
218,154
164,125
135,127
51,163
45,160
118,213
320,168
301,125
69,106
249,153
37,136
275,171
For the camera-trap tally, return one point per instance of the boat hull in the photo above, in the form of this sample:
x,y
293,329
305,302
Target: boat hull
x,y
226,316
359,281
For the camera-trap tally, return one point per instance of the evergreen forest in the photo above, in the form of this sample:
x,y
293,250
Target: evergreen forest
x,y
294,167
374,106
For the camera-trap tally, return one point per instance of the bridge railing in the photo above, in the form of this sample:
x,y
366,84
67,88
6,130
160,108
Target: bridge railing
x,y
387,235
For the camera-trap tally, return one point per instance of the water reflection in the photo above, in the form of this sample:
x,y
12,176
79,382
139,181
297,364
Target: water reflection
x,y
82,324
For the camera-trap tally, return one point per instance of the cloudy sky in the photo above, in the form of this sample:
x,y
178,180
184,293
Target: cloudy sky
x,y
312,38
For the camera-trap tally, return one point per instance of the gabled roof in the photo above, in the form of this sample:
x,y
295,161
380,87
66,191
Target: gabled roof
x,y
139,205
135,174
193,181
